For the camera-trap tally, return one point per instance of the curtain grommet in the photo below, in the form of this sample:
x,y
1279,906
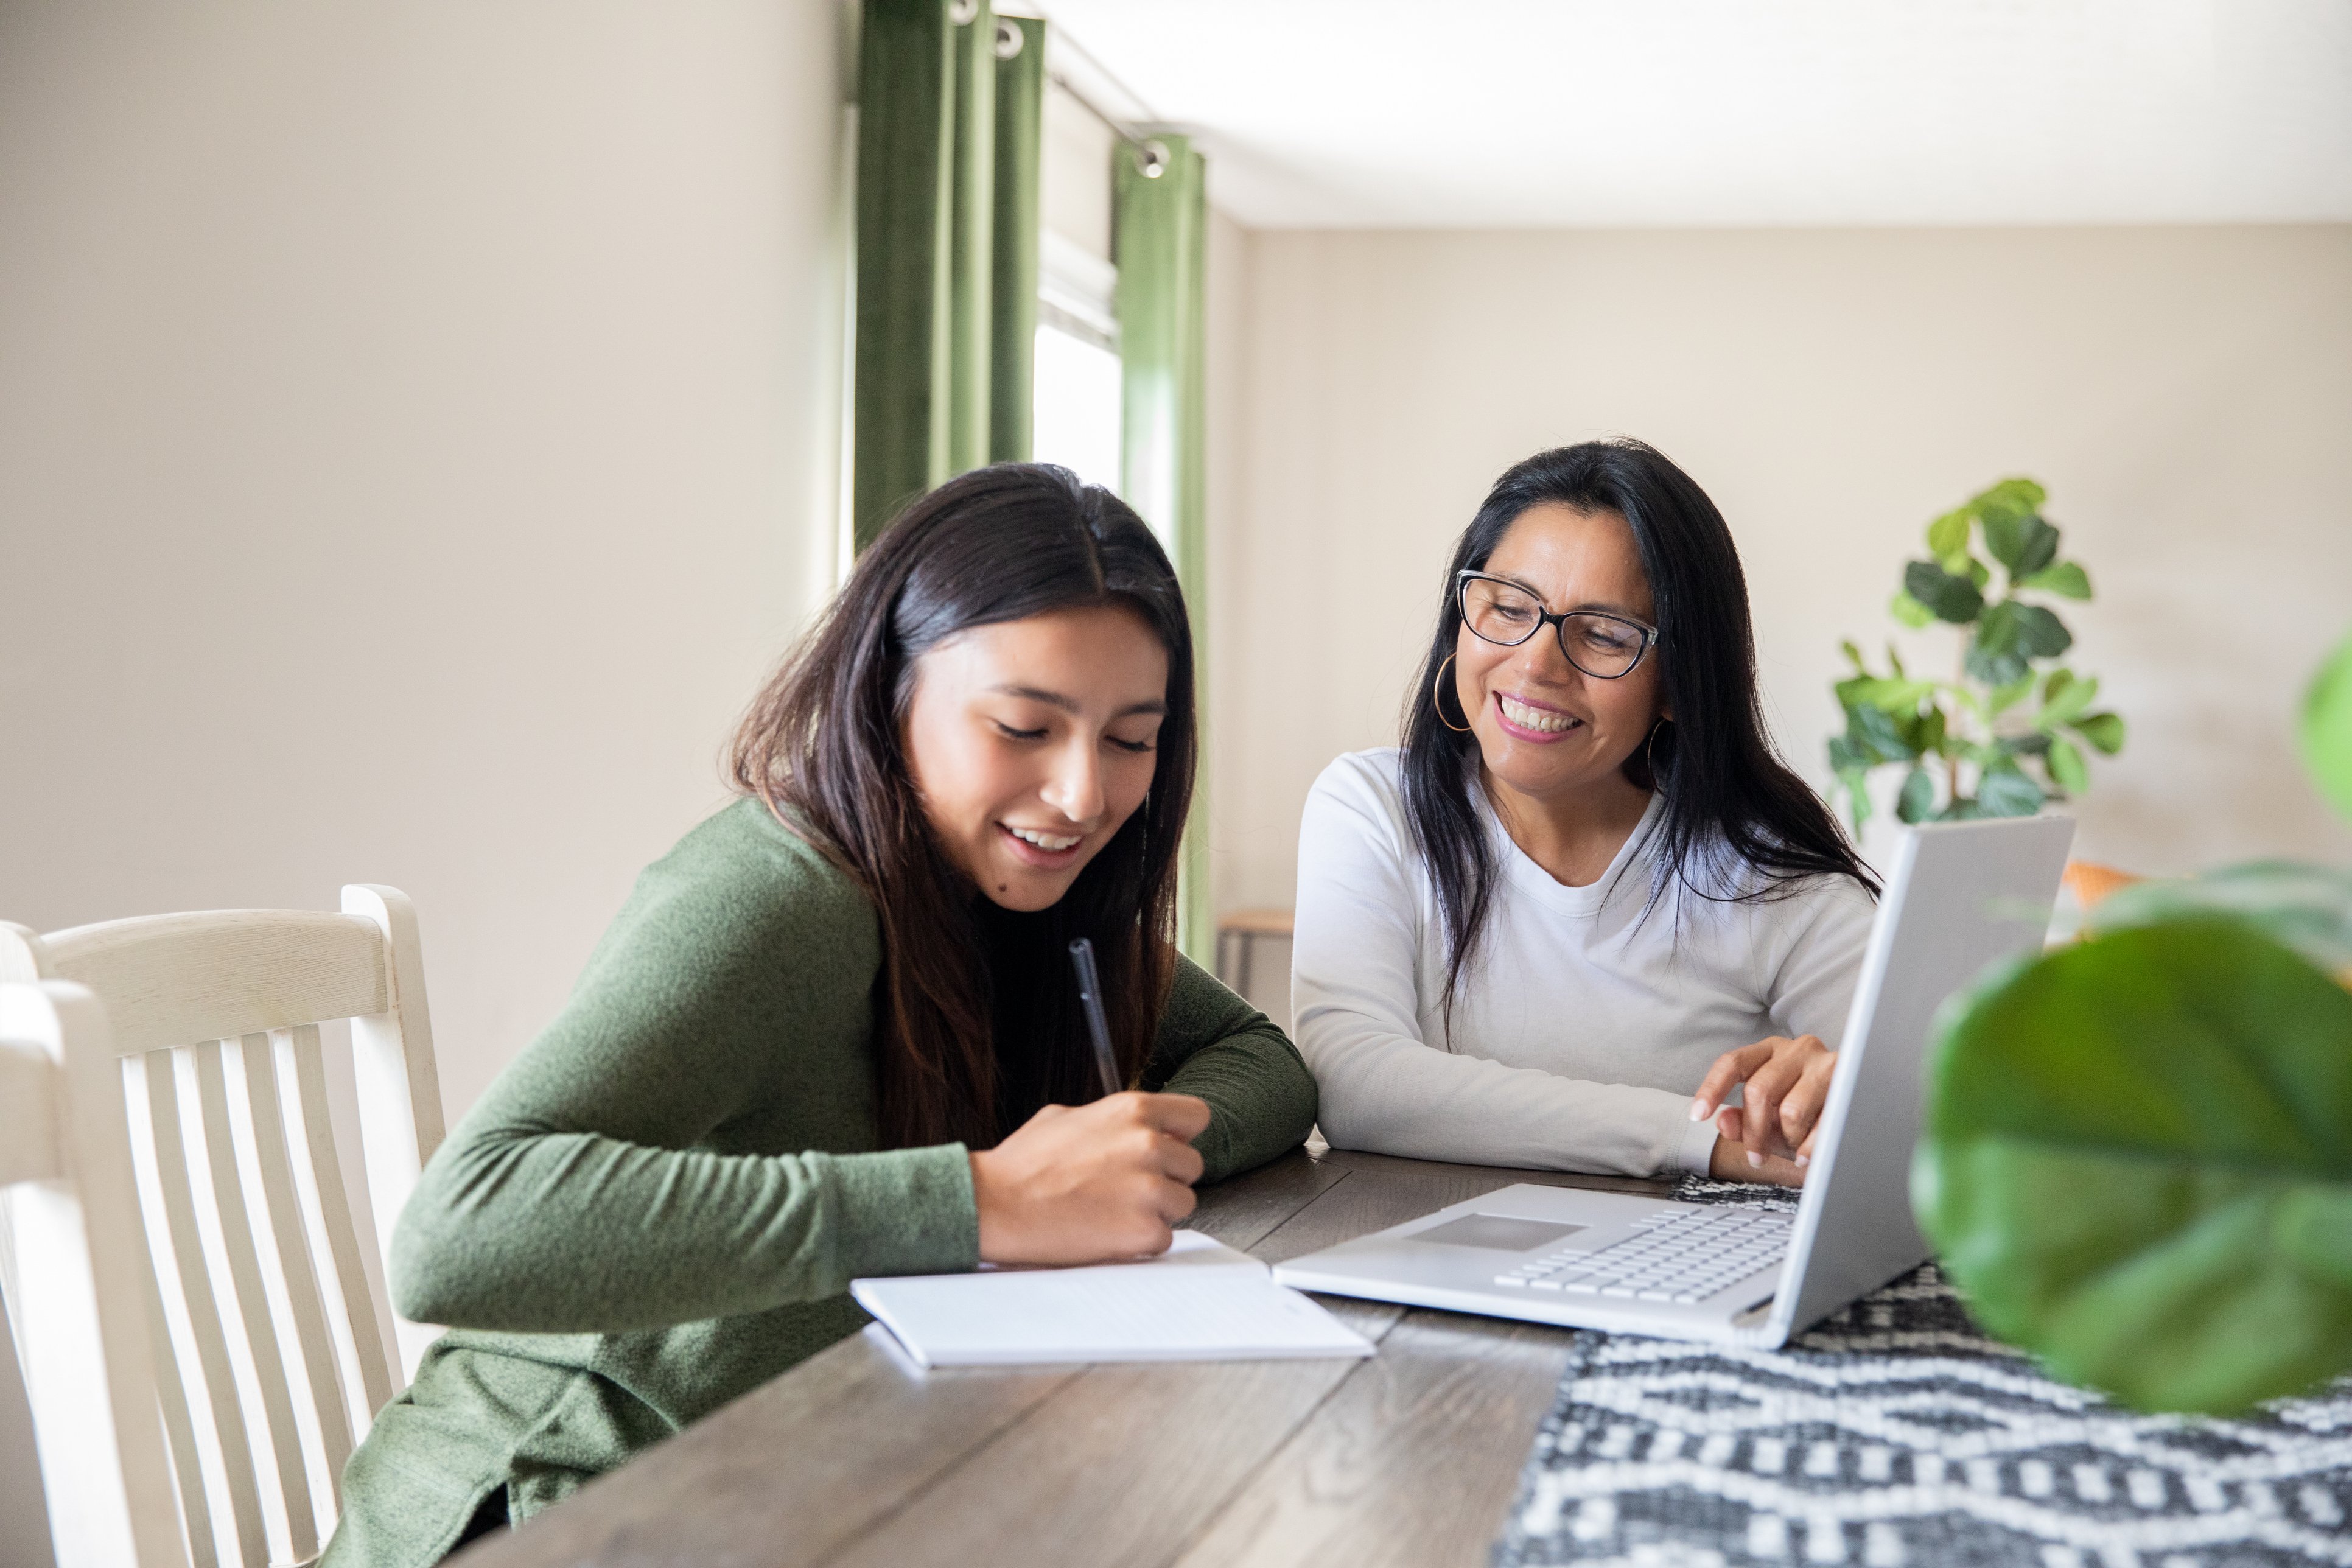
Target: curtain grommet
x,y
963,12
1010,40
1151,159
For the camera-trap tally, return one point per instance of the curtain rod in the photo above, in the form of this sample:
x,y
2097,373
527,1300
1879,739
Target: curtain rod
x,y
1153,154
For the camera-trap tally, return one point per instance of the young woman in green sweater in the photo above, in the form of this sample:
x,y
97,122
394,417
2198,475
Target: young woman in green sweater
x,y
833,1033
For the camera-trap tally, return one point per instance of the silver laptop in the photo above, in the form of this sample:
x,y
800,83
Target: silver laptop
x,y
1962,895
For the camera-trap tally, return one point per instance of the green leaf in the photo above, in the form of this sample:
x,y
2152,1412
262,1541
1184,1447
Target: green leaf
x,y
1918,796
2040,634
1996,669
1895,658
2007,792
1857,791
2010,498
1976,573
1947,537
2104,731
2014,531
1874,731
1924,733
2137,1164
1949,598
1910,611
1960,808
2007,534
2307,908
2009,636
2062,701
2001,699
1878,691
2067,768
2065,579
1853,656
1996,628
2039,549
1993,656
2326,729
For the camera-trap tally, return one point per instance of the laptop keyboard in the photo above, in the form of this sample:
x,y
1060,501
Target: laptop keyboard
x,y
1681,1255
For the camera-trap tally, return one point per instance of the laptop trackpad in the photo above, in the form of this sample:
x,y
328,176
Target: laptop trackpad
x,y
1497,1232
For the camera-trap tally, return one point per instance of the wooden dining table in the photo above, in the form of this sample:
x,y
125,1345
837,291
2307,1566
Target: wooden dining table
x,y
855,1456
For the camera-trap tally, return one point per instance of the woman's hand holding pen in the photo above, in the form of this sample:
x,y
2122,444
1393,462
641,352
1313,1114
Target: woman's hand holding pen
x,y
1768,1136
1082,1184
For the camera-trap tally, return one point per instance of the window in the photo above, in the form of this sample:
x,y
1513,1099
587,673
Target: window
x,y
1077,389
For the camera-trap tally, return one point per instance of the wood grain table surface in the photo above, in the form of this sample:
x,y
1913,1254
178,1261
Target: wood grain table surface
x,y
853,1458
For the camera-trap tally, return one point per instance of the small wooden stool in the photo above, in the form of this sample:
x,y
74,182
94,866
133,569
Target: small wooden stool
x,y
1245,926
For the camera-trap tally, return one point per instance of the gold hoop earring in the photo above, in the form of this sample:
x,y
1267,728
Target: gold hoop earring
x,y
1438,699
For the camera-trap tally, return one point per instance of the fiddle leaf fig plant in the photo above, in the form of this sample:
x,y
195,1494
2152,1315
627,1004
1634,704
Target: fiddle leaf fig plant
x,y
2136,1160
2010,731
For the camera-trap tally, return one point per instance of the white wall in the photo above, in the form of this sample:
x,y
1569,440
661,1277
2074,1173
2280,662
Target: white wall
x,y
416,439
2185,393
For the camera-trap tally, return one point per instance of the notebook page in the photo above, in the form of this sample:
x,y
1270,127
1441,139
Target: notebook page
x,y
1199,1301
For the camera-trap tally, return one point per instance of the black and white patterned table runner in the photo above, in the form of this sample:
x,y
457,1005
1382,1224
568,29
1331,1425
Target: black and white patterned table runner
x,y
1895,1434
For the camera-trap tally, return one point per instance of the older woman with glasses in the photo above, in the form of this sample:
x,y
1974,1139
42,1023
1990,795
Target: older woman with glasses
x,y
1585,898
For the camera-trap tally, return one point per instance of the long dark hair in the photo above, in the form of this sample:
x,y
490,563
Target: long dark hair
x,y
1731,803
977,1019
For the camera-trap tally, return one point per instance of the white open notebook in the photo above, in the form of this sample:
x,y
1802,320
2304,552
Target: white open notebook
x,y
1200,1301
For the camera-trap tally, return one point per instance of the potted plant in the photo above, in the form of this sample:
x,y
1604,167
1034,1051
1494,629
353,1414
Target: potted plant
x,y
2008,731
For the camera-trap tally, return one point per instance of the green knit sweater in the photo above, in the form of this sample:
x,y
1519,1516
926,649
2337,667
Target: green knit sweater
x,y
660,1205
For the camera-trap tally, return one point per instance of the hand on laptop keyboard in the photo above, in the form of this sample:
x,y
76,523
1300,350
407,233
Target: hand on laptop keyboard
x,y
1729,1163
1783,1086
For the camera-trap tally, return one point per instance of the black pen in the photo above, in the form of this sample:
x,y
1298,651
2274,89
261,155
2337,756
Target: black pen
x,y
1082,958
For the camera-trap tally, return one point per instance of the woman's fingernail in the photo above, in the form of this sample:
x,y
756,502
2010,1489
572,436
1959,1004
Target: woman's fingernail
x,y
1699,1110
1755,1160
1804,1159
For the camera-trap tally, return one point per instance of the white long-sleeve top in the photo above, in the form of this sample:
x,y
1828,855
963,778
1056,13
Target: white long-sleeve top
x,y
1582,1023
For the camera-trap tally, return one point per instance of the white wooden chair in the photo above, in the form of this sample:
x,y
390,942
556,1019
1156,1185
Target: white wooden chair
x,y
179,1241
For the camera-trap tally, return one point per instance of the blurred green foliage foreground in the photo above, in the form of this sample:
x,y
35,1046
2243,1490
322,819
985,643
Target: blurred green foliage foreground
x,y
2138,1153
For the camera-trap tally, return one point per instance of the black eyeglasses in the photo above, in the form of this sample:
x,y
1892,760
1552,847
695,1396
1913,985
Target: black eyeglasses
x,y
1602,645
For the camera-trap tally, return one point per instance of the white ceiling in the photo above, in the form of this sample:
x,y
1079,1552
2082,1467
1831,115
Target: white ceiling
x,y
1566,113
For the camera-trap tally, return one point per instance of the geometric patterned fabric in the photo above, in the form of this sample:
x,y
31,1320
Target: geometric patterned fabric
x,y
1895,1434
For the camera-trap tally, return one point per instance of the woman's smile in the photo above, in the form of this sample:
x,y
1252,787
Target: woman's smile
x,y
1040,848
1533,722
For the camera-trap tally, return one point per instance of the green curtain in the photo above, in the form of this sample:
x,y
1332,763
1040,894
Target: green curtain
x,y
1019,140
948,141
1160,241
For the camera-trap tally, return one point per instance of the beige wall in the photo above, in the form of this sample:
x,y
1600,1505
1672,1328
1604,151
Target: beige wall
x,y
2185,393
1074,197
415,439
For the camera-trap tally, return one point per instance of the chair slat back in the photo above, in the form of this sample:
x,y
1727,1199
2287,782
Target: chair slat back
x,y
224,1462
364,1343
78,1283
271,1346
219,975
